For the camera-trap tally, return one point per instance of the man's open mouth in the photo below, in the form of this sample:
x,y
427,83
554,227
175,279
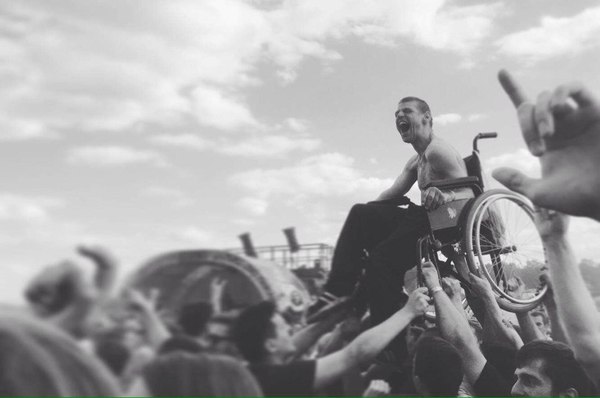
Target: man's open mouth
x,y
404,126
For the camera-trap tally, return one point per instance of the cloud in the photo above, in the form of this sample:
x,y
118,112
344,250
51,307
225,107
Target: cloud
x,y
110,156
213,108
447,118
520,159
553,37
255,206
174,196
26,208
270,146
67,67
190,141
325,175
476,116
262,145
22,130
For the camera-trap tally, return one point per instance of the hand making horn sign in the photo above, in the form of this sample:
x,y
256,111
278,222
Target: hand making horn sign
x,y
563,130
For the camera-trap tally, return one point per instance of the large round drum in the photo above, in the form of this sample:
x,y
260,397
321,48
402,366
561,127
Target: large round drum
x,y
185,276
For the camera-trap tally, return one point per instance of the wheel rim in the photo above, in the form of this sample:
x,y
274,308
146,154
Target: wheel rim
x,y
519,251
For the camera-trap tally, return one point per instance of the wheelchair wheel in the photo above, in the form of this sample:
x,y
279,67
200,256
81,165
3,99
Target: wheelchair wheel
x,y
501,243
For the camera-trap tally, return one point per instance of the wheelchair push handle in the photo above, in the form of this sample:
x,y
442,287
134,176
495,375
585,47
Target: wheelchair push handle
x,y
481,136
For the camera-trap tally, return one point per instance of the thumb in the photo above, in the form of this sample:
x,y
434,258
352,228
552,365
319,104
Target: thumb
x,y
516,181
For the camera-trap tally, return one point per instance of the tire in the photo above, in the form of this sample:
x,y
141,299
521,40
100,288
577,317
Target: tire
x,y
500,241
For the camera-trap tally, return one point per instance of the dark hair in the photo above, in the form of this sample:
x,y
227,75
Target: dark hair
x,y
193,318
542,314
180,343
252,329
182,374
558,363
502,357
438,365
113,353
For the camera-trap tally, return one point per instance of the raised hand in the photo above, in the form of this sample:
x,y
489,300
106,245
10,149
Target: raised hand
x,y
563,130
418,301
481,287
430,275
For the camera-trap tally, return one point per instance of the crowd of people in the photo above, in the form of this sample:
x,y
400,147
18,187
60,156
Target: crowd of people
x,y
81,338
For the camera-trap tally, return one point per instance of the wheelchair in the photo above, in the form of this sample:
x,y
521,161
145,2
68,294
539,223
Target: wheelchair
x,y
494,232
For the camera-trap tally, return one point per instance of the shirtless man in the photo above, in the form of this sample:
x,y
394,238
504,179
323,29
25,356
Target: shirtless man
x,y
387,233
435,159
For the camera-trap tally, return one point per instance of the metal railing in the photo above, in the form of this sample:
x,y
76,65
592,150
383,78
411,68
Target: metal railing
x,y
310,255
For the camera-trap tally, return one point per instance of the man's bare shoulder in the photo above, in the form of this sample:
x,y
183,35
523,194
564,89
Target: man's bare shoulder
x,y
443,158
412,164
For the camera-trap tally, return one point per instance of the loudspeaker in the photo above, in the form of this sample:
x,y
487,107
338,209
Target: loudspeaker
x,y
248,246
290,235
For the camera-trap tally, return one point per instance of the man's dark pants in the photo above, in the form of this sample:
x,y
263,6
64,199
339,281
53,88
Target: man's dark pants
x,y
389,235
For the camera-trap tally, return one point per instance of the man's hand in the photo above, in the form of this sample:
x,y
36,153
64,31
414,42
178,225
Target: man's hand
x,y
550,224
418,301
481,287
452,288
549,296
430,275
563,130
432,198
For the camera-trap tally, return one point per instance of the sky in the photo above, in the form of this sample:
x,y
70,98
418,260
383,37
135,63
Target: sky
x,y
149,126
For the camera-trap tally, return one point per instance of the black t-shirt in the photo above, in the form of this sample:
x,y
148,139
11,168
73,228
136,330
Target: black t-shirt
x,y
491,384
296,378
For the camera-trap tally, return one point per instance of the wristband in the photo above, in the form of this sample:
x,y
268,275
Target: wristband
x,y
436,289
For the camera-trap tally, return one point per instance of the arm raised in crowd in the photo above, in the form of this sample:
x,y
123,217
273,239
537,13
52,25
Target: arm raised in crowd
x,y
529,330
575,305
454,327
368,344
494,328
557,331
307,337
563,130
156,331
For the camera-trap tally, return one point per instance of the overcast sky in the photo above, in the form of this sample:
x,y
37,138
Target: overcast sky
x,y
159,125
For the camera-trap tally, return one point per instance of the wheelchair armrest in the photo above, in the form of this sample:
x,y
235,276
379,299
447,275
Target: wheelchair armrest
x,y
464,182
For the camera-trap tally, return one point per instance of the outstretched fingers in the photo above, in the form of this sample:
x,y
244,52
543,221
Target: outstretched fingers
x,y
525,113
517,181
512,88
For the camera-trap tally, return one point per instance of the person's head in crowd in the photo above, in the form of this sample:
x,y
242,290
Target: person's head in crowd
x,y
186,374
39,360
542,321
262,335
438,369
193,318
219,331
549,368
181,343
113,353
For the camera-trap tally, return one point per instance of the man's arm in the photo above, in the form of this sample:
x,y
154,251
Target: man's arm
x,y
368,344
454,327
494,328
403,183
557,331
444,164
574,302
